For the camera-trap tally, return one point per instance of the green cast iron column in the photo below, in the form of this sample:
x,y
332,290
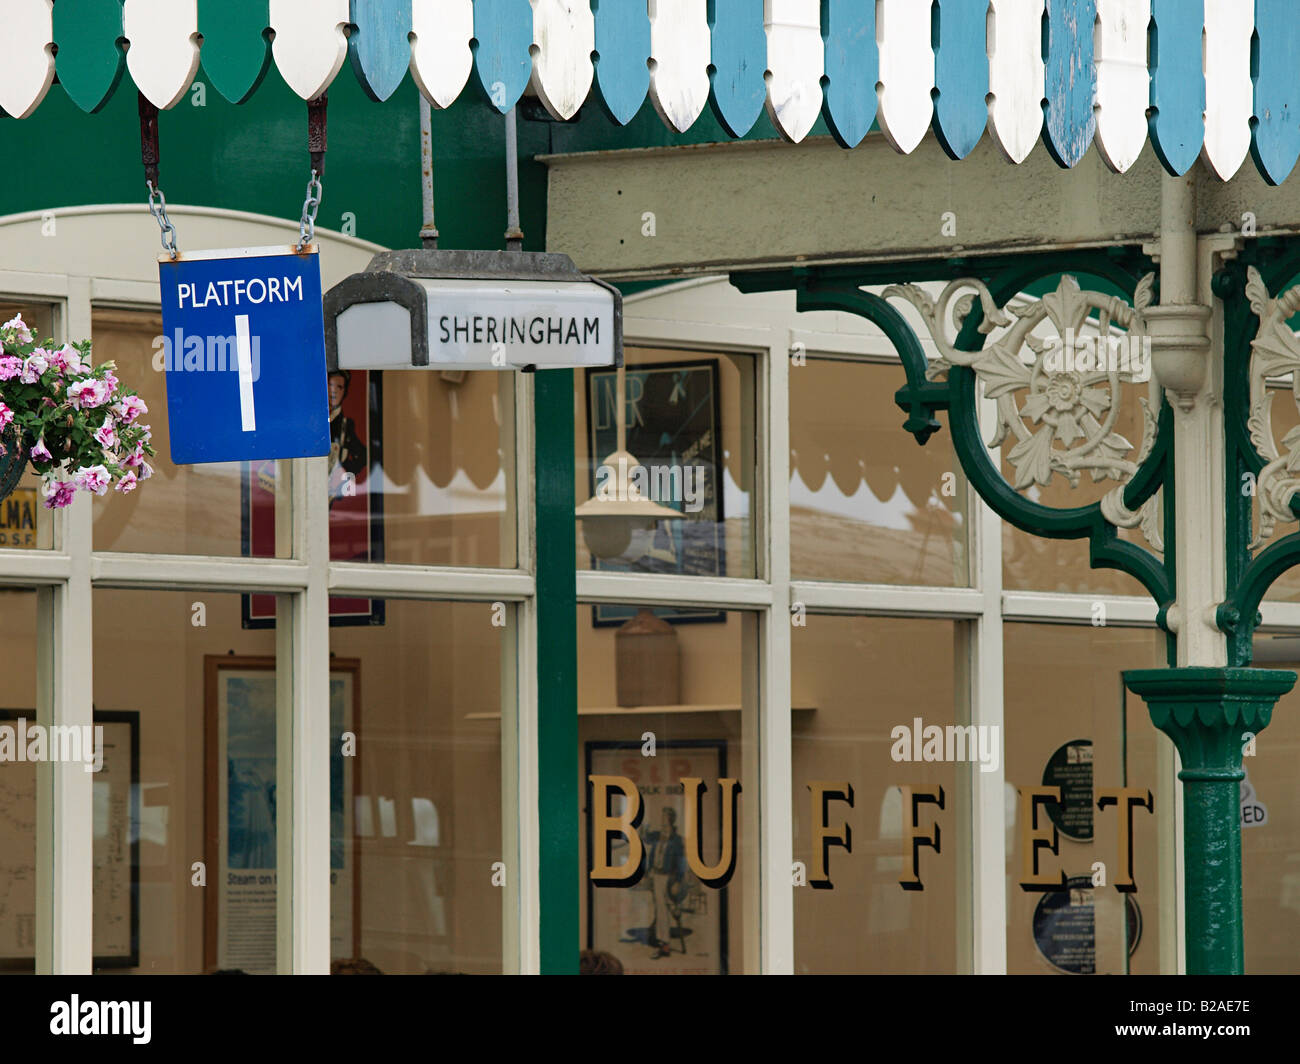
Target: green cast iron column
x,y
1207,711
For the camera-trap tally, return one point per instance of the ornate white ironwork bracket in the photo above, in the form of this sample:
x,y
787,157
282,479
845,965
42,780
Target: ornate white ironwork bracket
x,y
1275,354
1055,368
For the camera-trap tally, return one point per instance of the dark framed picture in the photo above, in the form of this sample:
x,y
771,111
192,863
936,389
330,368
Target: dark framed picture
x,y
356,515
116,860
240,818
669,904
674,429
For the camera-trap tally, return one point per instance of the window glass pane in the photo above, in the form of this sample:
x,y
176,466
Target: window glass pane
x,y
424,874
866,503
423,469
1070,724
1270,826
21,716
25,524
891,903
190,749
659,705
690,429
219,509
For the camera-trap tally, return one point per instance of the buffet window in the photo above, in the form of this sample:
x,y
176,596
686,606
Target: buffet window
x,y
666,719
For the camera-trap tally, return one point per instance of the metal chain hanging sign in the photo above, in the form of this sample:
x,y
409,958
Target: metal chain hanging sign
x,y
434,309
243,333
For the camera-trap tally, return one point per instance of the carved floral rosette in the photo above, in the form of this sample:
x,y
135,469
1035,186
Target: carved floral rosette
x,y
1061,411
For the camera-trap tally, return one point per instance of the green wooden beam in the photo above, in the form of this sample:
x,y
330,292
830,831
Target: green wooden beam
x,y
557,672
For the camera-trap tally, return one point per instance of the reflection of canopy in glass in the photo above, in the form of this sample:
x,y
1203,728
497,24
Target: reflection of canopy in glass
x,y
860,504
461,495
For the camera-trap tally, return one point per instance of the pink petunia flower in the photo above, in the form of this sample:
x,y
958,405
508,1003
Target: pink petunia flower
x,y
40,452
88,394
58,494
128,483
6,417
35,365
23,334
128,408
93,478
10,367
71,358
106,435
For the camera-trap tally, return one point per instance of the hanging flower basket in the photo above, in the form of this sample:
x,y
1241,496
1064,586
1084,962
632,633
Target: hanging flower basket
x,y
75,423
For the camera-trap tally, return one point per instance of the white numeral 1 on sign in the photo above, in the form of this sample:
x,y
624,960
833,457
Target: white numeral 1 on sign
x,y
244,353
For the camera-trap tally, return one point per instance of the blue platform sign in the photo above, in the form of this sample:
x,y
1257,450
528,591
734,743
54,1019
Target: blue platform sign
x,y
244,348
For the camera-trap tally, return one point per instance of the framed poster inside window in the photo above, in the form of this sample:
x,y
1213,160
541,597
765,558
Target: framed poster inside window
x,y
356,499
668,923
674,429
116,858
240,784
18,518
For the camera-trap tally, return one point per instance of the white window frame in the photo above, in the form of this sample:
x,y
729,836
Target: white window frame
x,y
105,255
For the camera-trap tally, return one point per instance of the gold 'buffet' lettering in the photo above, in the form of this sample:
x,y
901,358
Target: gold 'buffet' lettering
x,y
918,830
714,875
823,793
1034,838
1127,798
606,827
914,836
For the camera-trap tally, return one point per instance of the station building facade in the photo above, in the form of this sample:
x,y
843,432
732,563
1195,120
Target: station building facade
x,y
832,597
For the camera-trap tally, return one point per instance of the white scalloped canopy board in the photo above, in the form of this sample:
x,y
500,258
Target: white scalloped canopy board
x,y
1015,76
28,67
164,53
795,58
906,72
1122,80
441,60
679,60
310,45
565,34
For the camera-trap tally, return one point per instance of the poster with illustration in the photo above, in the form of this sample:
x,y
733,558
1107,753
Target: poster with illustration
x,y
114,745
242,807
668,922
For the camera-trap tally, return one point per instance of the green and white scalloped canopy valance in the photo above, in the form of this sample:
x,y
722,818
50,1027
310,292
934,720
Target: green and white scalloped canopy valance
x,y
1214,78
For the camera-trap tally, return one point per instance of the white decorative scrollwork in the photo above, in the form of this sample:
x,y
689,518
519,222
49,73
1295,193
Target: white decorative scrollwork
x,y
1058,395
1275,352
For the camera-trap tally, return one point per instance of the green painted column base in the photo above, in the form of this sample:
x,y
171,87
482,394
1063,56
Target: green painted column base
x,y
1208,713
